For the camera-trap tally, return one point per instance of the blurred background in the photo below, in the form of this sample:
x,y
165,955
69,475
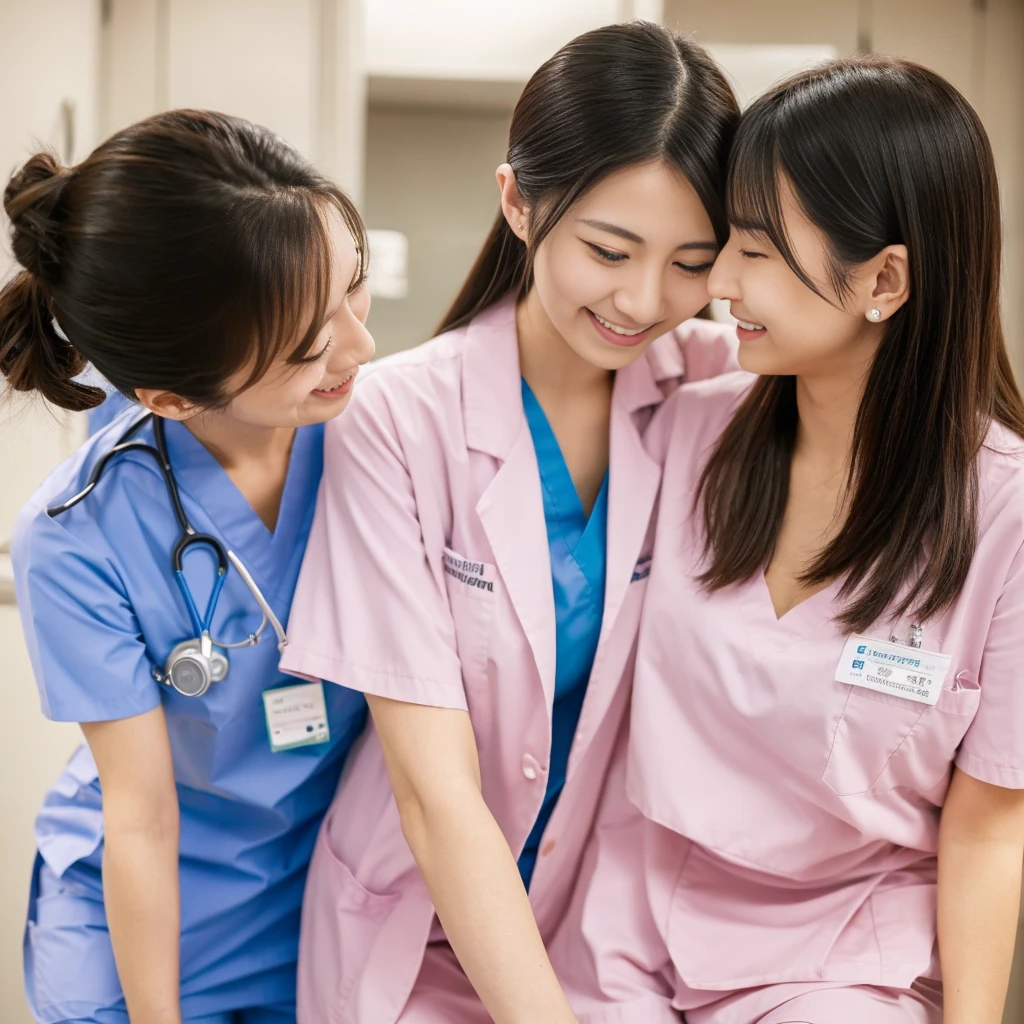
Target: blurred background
x,y
406,103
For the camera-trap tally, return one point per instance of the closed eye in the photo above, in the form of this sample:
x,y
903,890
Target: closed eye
x,y
751,254
607,255
318,355
695,268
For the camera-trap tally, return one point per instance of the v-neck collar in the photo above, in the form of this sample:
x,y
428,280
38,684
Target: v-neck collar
x,y
583,535
203,478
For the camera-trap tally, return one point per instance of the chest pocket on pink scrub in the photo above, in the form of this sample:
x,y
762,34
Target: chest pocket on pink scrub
x,y
882,742
472,591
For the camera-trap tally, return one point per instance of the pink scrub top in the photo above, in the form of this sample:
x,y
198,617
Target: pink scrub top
x,y
427,580
791,821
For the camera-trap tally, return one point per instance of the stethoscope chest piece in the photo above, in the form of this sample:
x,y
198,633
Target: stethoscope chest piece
x,y
193,666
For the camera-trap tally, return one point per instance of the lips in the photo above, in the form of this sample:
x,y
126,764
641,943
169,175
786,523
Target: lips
x,y
747,330
343,387
625,337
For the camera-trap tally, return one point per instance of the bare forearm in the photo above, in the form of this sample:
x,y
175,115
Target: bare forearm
x,y
979,897
140,882
477,890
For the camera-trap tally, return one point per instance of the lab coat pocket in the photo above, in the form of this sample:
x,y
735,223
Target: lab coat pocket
x,y
472,591
871,729
341,924
926,759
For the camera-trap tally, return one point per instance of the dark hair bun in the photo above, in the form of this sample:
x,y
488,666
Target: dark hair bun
x,y
33,357
34,200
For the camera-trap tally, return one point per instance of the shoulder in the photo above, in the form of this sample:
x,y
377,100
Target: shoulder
x,y
406,402
1001,479
38,537
693,351
695,415
431,368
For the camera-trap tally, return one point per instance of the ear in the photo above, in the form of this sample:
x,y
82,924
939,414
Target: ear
x,y
513,206
889,281
166,404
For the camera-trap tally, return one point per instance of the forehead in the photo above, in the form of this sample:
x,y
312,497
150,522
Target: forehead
x,y
652,191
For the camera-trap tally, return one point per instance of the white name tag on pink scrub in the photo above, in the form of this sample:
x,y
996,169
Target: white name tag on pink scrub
x,y
895,669
296,716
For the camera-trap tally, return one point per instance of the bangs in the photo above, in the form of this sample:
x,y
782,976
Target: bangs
x,y
757,178
289,268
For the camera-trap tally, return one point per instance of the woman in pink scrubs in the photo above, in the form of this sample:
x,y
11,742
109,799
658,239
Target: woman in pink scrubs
x,y
480,549
827,733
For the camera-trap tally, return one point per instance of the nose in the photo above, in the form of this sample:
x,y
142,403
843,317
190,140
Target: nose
x,y
642,297
355,343
722,281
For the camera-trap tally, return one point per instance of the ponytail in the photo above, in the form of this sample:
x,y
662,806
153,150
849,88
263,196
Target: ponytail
x,y
501,268
33,357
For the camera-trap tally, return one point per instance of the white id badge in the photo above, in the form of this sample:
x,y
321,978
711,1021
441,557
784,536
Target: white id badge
x,y
894,669
296,716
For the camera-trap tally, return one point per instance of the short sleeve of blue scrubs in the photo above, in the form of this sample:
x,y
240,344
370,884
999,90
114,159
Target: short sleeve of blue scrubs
x,y
578,548
84,640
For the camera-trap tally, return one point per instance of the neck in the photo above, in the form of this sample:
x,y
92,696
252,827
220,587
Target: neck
x,y
235,444
548,364
827,408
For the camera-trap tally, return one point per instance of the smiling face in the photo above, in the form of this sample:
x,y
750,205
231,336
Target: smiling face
x,y
785,328
626,263
318,388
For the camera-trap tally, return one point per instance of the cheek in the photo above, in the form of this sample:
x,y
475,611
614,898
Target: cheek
x,y
567,280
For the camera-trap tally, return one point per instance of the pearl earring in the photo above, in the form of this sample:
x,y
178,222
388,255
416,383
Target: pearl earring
x,y
875,314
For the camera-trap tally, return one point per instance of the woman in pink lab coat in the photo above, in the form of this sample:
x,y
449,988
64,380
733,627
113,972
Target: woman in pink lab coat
x,y
479,553
827,731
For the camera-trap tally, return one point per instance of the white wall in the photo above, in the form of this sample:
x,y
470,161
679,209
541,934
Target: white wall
x,y
49,54
470,39
293,66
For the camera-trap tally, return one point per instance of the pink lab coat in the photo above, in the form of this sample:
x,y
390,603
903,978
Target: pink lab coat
x,y
427,580
790,822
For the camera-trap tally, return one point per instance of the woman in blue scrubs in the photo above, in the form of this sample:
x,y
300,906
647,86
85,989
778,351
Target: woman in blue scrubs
x,y
211,275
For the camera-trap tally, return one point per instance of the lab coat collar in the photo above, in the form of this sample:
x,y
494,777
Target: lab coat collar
x,y
491,393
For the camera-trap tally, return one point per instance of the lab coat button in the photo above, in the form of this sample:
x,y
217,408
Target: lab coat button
x,y
531,767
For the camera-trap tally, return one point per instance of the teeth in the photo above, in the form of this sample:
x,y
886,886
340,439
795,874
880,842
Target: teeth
x,y
618,330
340,384
750,327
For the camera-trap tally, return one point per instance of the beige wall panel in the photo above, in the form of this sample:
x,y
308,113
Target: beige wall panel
x,y
942,34
131,59
255,58
754,21
430,175
1001,102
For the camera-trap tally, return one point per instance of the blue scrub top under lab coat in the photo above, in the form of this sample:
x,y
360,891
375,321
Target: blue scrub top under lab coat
x,y
578,549
100,609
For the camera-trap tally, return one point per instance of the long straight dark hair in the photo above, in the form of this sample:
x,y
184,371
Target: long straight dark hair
x,y
878,151
612,98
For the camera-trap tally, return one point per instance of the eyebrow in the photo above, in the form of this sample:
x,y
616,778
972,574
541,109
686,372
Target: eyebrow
x,y
614,229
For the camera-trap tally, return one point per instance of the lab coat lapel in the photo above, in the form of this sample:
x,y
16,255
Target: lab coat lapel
x,y
633,482
511,508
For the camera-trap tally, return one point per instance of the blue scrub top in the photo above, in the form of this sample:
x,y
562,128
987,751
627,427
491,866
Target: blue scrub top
x,y
108,410
100,609
578,549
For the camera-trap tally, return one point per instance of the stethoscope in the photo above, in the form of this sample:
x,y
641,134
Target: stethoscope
x,y
193,664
